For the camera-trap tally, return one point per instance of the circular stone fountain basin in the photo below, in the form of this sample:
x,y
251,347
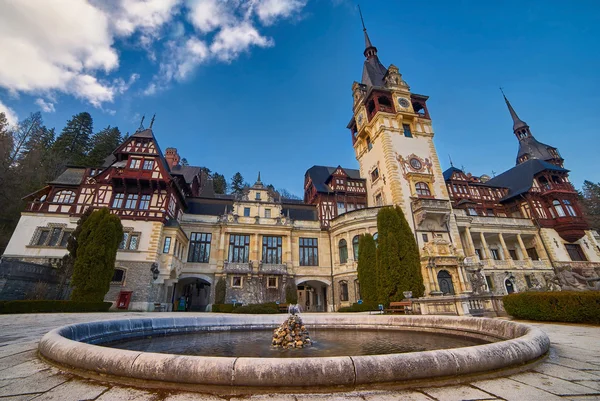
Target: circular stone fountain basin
x,y
511,346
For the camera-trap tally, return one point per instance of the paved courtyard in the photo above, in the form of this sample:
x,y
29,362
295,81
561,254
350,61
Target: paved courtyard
x,y
572,372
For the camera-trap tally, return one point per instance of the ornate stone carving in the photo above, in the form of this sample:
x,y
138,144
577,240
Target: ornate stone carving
x,y
478,282
571,281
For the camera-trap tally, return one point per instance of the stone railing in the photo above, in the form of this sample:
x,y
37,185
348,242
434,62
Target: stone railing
x,y
231,267
541,264
522,263
272,268
440,205
578,265
501,221
366,213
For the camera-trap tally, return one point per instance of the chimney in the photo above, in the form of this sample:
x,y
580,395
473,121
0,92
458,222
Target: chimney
x,y
172,157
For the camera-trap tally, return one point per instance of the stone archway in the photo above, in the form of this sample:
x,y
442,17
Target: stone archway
x,y
313,294
193,293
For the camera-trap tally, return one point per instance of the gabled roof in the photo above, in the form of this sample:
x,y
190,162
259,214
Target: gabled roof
x,y
535,149
321,174
449,172
519,179
188,172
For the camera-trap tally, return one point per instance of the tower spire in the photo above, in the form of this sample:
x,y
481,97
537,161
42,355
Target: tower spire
x,y
368,43
517,122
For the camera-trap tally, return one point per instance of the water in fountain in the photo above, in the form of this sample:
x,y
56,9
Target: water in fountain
x,y
292,333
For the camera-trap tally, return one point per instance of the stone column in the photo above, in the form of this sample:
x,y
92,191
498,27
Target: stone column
x,y
523,249
539,246
484,245
470,244
289,252
255,254
504,248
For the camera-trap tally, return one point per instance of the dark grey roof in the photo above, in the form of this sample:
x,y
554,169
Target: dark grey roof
x,y
320,174
373,72
301,212
71,176
109,160
188,172
517,122
209,206
535,149
519,179
448,173
145,133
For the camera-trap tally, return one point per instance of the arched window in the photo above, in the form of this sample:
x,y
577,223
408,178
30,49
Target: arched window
x,y
375,236
369,144
355,247
558,208
64,197
343,290
422,189
510,287
445,282
343,248
570,209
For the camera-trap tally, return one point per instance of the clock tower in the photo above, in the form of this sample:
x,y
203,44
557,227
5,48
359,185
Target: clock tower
x,y
392,138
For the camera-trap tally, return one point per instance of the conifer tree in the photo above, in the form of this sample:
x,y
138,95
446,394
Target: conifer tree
x,y
72,145
237,184
219,183
67,263
590,203
97,246
102,144
367,268
411,259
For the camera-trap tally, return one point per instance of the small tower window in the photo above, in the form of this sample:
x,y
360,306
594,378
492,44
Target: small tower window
x,y
369,144
371,107
558,208
570,209
375,174
343,250
407,132
422,189
384,101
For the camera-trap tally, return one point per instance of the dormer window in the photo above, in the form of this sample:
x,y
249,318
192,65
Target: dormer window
x,y
64,197
258,196
135,163
553,152
148,164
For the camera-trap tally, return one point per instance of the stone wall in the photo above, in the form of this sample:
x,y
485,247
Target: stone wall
x,y
138,279
254,290
24,280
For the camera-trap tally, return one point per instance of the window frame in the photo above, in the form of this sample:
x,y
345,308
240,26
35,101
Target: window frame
x,y
355,241
64,196
135,163
309,251
422,189
577,251
276,285
144,203
131,198
234,279
118,199
148,164
236,245
272,249
343,251
200,247
167,245
407,130
344,296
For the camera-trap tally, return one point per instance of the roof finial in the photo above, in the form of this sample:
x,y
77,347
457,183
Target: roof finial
x,y
517,122
361,19
141,127
152,121
258,176
368,43
450,157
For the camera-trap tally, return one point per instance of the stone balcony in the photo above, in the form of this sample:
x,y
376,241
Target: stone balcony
x,y
433,209
270,268
232,267
508,264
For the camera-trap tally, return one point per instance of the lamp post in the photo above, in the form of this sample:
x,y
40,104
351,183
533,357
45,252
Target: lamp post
x,y
154,270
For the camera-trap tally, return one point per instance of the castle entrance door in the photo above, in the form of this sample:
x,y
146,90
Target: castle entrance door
x,y
445,282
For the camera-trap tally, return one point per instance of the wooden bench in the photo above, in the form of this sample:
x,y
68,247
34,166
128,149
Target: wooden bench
x,y
158,307
283,308
400,307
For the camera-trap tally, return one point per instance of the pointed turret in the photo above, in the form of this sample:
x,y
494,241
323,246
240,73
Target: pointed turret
x,y
529,147
373,70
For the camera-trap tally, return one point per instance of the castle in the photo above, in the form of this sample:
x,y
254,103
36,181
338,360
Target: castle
x,y
511,231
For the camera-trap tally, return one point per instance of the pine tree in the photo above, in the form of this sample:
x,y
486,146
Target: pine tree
x,y
590,203
219,183
237,184
97,246
73,143
102,144
367,268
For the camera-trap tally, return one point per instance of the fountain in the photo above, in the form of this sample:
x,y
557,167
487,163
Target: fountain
x,y
505,347
292,333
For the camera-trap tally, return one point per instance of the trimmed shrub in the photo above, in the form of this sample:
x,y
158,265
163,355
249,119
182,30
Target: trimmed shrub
x,y
220,290
367,268
257,309
46,306
555,306
223,308
97,246
364,307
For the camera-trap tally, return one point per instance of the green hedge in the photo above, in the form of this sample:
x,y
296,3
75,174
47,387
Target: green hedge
x,y
558,306
46,306
257,309
364,307
223,308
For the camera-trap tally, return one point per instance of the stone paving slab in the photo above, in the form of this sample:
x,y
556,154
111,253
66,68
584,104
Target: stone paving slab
x,y
75,390
553,385
595,384
17,359
511,390
23,370
458,393
265,397
399,396
190,397
126,394
566,373
39,382
20,397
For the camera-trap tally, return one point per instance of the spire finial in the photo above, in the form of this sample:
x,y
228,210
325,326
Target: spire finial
x,y
152,121
141,127
258,180
517,122
450,157
361,19
368,43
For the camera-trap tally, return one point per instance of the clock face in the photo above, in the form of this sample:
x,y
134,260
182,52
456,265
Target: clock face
x,y
403,102
416,164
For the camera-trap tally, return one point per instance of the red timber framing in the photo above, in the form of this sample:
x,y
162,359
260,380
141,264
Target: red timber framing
x,y
469,192
137,186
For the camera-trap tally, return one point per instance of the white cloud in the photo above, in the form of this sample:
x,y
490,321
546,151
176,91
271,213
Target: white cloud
x,y
70,47
10,114
269,11
232,40
46,107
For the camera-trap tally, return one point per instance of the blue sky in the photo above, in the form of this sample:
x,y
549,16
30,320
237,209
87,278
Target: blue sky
x,y
266,85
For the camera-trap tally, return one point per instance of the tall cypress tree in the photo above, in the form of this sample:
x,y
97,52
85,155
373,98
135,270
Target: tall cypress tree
x,y
97,245
103,143
367,268
409,254
73,143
